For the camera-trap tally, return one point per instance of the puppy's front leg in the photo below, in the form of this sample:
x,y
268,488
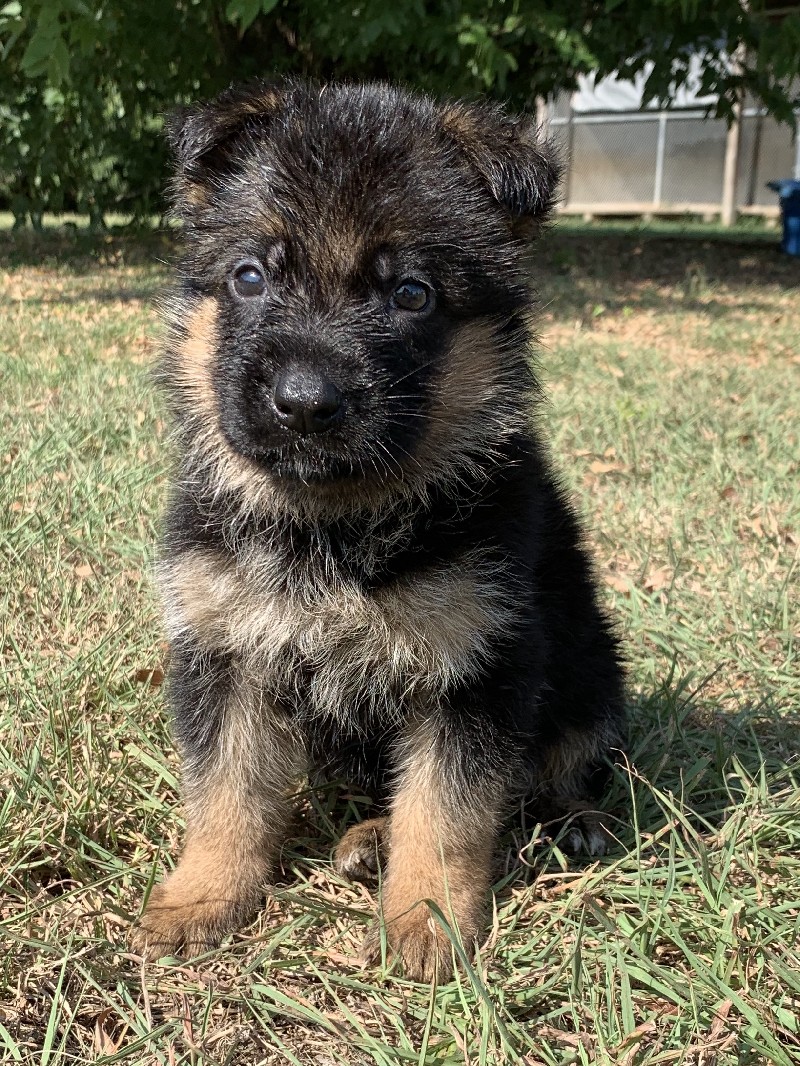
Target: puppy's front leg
x,y
241,762
445,818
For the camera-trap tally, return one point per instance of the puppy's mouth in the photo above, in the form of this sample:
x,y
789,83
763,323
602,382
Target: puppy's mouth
x,y
312,464
312,469
302,427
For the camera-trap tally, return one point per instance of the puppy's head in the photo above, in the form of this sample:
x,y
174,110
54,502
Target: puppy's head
x,y
350,310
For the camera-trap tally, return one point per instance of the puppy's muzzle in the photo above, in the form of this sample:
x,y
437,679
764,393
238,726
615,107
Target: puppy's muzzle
x,y
305,401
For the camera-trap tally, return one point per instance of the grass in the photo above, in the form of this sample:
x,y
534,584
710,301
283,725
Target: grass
x,y
674,380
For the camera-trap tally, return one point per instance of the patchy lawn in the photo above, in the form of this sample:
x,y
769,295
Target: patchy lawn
x,y
673,381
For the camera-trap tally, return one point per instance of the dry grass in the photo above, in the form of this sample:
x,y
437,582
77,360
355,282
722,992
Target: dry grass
x,y
673,372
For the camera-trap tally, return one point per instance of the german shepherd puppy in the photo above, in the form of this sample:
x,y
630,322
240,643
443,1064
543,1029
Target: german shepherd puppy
x,y
368,570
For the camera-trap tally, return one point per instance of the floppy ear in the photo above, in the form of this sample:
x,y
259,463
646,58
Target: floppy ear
x,y
203,137
519,166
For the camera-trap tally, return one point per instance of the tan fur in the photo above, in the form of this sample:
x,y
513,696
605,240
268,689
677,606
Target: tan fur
x,y
195,355
412,638
194,342
238,812
440,849
362,849
462,124
459,122
475,402
223,870
226,471
561,772
197,196
195,190
264,101
336,254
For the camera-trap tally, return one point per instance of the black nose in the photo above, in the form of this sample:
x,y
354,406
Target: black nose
x,y
305,401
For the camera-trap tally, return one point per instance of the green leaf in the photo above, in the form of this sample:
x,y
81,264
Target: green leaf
x,y
243,12
36,56
58,67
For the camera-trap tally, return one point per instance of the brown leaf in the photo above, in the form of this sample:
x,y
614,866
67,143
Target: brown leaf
x,y
665,1007
615,371
104,1043
630,1043
720,1018
84,571
658,579
585,1040
154,677
598,467
618,582
716,1040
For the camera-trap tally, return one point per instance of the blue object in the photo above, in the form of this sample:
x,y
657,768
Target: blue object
x,y
789,193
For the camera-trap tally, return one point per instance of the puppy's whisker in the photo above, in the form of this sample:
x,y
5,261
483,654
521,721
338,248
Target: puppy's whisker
x,y
414,370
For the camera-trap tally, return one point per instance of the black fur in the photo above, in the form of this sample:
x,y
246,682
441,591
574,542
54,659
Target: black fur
x,y
337,194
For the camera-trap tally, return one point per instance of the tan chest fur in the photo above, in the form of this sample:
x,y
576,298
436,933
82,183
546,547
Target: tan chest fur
x,y
407,641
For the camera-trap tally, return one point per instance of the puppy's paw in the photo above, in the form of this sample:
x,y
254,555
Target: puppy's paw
x,y
580,829
417,941
588,835
361,850
187,919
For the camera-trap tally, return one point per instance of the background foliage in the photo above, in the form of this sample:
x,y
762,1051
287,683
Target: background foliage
x,y
83,84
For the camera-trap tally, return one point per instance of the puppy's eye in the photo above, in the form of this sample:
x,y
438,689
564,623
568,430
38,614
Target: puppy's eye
x,y
411,295
248,280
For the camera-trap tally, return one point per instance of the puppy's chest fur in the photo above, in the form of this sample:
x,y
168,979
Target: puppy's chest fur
x,y
323,643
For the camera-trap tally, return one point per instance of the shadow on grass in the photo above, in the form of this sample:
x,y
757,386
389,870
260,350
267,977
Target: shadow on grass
x,y
124,294
80,251
636,269
706,760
